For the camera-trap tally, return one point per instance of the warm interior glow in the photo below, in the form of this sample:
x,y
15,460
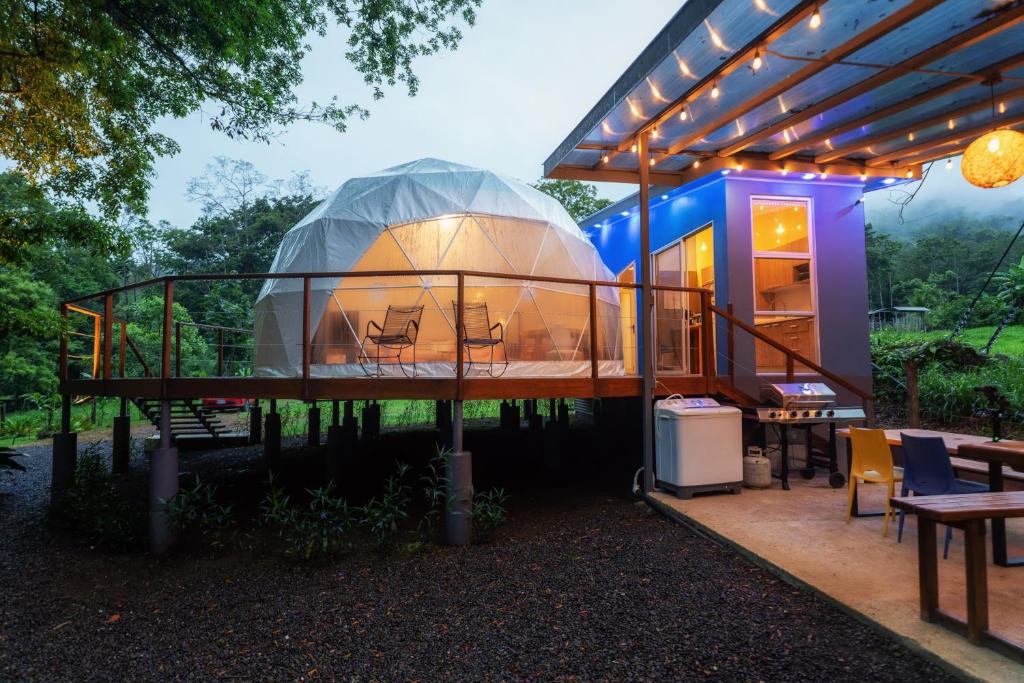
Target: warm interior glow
x,y
995,159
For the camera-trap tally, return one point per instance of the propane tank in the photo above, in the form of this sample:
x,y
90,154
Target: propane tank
x,y
757,469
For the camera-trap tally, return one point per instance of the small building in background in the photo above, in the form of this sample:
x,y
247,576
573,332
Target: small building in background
x,y
899,318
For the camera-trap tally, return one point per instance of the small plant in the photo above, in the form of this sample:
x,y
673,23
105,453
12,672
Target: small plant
x,y
95,510
81,423
20,426
435,494
382,514
318,530
488,513
196,509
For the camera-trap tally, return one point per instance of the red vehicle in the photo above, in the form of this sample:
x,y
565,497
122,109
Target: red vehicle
x,y
226,405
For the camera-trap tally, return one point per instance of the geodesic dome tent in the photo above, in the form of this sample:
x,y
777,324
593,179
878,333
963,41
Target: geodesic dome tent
x,y
435,215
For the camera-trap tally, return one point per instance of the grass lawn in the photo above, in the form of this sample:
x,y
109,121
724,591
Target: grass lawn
x,y
1010,342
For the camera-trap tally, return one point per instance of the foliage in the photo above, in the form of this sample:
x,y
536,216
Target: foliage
x,y
195,510
579,199
382,514
8,462
488,513
95,511
317,530
145,327
19,426
85,82
435,494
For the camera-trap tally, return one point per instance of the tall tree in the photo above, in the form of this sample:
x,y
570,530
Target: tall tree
x,y
82,82
579,199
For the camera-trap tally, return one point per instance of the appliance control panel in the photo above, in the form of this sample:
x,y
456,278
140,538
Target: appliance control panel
x,y
690,403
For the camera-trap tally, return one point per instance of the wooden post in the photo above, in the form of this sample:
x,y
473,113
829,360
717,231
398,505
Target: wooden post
x,y
306,295
647,410
730,345
977,581
64,343
459,370
927,568
177,349
594,347
913,398
122,349
220,351
108,336
165,349
790,373
707,339
97,334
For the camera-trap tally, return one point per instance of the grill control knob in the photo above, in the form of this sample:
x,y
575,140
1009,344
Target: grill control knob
x,y
817,413
807,413
831,413
772,414
792,413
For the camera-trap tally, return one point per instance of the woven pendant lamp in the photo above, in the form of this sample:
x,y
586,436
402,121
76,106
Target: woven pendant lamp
x,y
996,158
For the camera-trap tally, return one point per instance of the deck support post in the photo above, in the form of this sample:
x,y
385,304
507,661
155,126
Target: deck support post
x,y
313,426
163,485
255,422
65,454
459,473
371,420
444,423
336,445
272,437
349,422
563,414
646,305
121,453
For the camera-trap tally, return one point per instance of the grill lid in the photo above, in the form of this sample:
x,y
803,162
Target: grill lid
x,y
800,394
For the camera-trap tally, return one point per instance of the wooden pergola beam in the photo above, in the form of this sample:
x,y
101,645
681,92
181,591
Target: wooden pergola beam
x,y
996,24
904,129
889,23
932,155
897,108
737,60
953,137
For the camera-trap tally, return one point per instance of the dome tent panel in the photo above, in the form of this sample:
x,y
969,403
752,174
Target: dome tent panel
x,y
435,215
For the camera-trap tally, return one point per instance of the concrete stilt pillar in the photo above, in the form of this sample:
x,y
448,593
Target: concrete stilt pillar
x,y
444,424
563,414
163,485
65,455
313,424
459,474
272,437
255,423
515,418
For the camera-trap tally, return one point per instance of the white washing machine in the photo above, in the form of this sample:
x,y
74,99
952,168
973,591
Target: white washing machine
x,y
698,446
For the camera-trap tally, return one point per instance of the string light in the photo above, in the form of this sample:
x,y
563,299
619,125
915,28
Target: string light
x,y
652,161
823,175
605,158
785,171
696,163
951,125
714,91
1002,107
949,164
863,177
756,64
654,133
682,115
633,148
761,5
739,167
910,137
815,21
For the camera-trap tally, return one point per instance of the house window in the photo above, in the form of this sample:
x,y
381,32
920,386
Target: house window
x,y
785,301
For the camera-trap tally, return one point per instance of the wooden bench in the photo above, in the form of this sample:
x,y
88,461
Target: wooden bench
x,y
967,512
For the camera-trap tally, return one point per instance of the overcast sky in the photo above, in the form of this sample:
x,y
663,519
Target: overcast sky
x,y
522,78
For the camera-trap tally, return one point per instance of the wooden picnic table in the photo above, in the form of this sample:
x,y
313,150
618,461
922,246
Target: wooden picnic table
x,y
1001,457
968,511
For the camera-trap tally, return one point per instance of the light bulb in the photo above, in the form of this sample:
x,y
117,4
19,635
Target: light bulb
x,y
756,64
605,158
815,19
785,171
654,133
993,144
652,161
949,164
714,91
682,115
633,148
823,175
1002,107
951,125
910,174
910,137
863,177
696,163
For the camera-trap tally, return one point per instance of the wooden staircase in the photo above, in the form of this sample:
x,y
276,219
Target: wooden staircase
x,y
187,418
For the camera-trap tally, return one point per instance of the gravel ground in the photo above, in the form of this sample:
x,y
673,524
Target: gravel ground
x,y
580,585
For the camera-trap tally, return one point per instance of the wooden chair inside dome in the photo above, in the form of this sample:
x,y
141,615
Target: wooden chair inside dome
x,y
478,334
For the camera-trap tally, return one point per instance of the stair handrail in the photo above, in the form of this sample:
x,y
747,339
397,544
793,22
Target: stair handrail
x,y
792,356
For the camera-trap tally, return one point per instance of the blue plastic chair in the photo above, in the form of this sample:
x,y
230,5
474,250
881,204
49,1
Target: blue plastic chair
x,y
928,471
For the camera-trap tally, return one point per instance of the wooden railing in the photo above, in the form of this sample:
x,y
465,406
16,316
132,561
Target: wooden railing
x,y
171,337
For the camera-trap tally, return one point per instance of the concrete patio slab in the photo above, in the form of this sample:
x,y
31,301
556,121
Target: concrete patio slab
x,y
803,535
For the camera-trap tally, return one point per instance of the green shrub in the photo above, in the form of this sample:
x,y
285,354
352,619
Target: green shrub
x,y
20,426
95,510
435,494
488,513
382,515
320,529
195,510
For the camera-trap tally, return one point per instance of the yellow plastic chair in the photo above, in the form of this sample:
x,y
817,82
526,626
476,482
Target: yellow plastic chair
x,y
872,463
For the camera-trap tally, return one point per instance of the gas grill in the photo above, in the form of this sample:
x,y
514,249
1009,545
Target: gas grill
x,y
804,404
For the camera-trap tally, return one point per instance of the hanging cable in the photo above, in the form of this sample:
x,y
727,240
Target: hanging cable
x,y
962,322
